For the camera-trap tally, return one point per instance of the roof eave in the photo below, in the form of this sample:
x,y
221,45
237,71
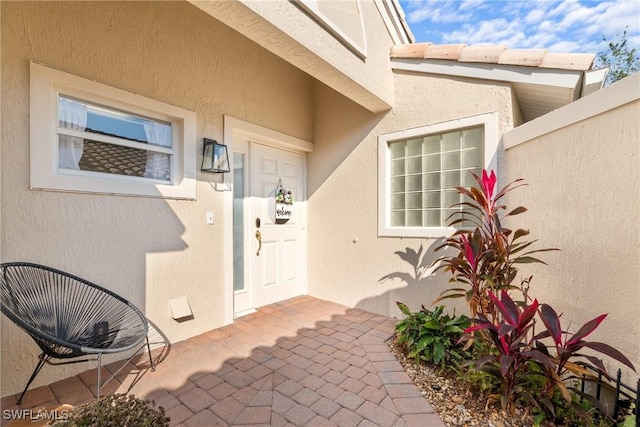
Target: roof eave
x,y
495,72
568,84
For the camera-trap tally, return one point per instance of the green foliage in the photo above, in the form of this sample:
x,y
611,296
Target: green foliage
x,y
630,421
511,363
486,262
577,413
621,59
486,258
482,382
431,336
116,410
519,359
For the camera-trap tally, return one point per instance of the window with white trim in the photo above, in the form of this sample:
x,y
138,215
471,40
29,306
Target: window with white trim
x,y
343,19
419,170
89,137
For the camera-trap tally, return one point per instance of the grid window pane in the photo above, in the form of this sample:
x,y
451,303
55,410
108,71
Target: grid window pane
x,y
451,160
397,184
450,197
472,138
451,141
431,199
414,183
414,164
468,180
425,174
397,201
414,201
414,218
397,167
414,147
431,181
432,218
471,158
396,149
397,219
431,144
431,162
451,179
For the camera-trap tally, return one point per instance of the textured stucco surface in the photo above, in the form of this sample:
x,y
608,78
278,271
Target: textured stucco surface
x,y
286,30
346,257
583,199
148,250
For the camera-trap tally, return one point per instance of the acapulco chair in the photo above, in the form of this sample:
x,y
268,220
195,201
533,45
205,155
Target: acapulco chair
x,y
69,317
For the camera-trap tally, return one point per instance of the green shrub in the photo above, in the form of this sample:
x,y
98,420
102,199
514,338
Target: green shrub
x,y
431,336
116,410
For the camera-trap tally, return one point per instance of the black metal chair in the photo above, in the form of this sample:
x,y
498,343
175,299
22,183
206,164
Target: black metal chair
x,y
69,317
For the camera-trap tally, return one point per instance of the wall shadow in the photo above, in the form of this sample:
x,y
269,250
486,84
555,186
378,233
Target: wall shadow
x,y
335,137
422,282
319,368
300,361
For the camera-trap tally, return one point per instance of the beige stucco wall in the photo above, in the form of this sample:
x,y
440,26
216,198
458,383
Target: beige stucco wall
x,y
583,198
148,250
284,28
346,256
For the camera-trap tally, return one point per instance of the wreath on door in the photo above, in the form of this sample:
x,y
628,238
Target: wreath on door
x,y
283,196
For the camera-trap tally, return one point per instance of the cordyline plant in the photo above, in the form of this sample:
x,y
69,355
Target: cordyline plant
x,y
519,356
515,353
486,261
568,348
488,254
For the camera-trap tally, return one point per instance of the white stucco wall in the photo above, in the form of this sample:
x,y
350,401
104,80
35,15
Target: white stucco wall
x,y
583,197
148,250
346,256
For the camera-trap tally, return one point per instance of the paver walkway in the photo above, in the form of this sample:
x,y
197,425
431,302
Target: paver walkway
x,y
302,362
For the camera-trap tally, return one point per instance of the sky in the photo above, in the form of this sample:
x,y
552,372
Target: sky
x,y
567,26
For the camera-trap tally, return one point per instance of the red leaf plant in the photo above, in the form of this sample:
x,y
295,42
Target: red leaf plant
x,y
569,349
519,355
515,352
487,252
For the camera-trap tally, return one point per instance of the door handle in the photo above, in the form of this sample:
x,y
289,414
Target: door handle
x,y
259,237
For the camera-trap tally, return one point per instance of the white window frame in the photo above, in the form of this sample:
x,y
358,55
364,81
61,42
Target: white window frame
x,y
47,83
489,121
312,7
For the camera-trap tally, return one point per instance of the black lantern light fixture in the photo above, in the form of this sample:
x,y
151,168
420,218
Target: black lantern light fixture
x,y
215,157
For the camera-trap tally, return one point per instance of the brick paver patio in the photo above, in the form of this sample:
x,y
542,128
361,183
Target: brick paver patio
x,y
302,362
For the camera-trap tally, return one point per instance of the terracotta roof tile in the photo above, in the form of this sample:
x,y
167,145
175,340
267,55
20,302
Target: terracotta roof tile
x,y
444,51
413,50
495,54
526,57
568,61
487,54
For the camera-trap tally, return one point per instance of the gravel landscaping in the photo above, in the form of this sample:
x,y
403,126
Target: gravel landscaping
x,y
452,400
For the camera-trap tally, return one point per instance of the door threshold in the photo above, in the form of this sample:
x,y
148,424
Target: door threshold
x,y
244,312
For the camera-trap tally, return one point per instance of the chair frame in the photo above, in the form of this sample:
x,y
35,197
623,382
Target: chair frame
x,y
51,345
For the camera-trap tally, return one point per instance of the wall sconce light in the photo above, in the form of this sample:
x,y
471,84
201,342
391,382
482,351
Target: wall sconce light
x,y
215,157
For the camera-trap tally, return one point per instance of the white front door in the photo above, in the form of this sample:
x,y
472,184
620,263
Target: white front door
x,y
275,265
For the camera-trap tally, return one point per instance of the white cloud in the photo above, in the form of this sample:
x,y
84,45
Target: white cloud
x,y
496,31
534,16
557,25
